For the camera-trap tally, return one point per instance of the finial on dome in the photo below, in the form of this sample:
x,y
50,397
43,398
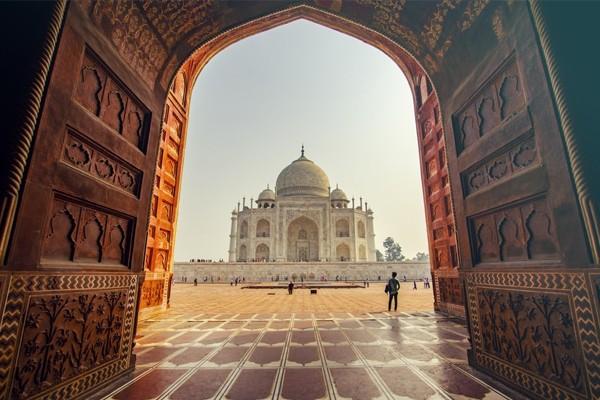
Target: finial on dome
x,y
267,185
336,186
302,152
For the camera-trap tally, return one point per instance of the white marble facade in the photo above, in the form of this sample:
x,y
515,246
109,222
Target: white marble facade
x,y
302,220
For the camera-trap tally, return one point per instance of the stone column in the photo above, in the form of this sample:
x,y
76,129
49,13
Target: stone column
x,y
371,251
353,237
233,237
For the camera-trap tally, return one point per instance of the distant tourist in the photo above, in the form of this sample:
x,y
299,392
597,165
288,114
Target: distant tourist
x,y
414,285
404,278
290,287
391,289
195,281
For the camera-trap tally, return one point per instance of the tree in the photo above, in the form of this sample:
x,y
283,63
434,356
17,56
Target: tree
x,y
379,255
393,251
420,256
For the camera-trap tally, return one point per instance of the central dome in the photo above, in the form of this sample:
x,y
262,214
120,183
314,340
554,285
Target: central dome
x,y
302,178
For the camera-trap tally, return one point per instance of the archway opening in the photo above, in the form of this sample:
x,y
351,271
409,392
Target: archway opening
x,y
435,180
303,240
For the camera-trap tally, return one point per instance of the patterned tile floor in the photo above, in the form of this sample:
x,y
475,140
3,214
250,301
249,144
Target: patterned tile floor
x,y
185,353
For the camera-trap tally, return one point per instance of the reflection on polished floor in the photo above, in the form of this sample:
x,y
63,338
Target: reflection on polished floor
x,y
185,353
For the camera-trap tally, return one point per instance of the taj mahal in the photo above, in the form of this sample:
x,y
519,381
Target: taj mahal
x,y
302,220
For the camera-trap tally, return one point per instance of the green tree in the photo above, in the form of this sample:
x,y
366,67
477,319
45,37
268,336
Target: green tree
x,y
379,255
393,251
420,256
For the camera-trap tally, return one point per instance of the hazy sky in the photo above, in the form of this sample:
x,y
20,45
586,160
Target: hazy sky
x,y
258,100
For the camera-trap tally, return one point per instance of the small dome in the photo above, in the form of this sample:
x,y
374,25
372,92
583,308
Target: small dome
x,y
338,194
302,178
266,194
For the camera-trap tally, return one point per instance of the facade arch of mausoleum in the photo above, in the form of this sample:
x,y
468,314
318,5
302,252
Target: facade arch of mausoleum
x,y
342,227
262,252
362,252
263,228
243,253
342,252
303,240
244,228
360,229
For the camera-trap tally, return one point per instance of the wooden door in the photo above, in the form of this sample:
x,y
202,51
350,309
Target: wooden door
x,y
525,264
77,249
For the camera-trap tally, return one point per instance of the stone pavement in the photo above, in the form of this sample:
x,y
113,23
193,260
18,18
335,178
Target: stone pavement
x,y
198,350
221,298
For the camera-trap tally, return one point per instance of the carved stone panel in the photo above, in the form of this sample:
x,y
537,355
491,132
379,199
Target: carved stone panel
x,y
515,233
103,95
518,157
77,233
450,290
536,330
97,162
152,293
498,99
66,333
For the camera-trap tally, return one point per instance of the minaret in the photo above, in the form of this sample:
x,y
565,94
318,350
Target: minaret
x,y
372,252
233,237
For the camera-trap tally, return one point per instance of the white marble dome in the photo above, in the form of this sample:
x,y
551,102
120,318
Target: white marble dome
x,y
338,194
266,194
302,178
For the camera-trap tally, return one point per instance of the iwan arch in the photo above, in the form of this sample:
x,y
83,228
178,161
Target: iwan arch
x,y
93,156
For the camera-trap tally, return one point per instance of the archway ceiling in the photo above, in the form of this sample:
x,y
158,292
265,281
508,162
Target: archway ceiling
x,y
156,36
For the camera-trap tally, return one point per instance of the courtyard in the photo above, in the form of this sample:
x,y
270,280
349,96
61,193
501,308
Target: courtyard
x,y
223,342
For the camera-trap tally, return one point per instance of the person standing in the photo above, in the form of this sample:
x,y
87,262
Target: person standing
x,y
392,290
290,287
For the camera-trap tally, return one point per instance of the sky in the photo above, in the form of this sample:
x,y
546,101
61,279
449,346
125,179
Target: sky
x,y
257,101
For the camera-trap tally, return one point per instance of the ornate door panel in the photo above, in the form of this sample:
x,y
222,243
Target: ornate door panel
x,y
522,242
76,254
158,262
439,213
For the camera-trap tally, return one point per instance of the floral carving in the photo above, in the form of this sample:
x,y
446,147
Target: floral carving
x,y
66,335
535,332
476,180
104,168
474,8
152,293
516,158
497,169
77,153
126,179
524,155
450,290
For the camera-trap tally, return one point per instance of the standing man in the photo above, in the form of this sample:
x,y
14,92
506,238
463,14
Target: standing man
x,y
290,287
393,286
